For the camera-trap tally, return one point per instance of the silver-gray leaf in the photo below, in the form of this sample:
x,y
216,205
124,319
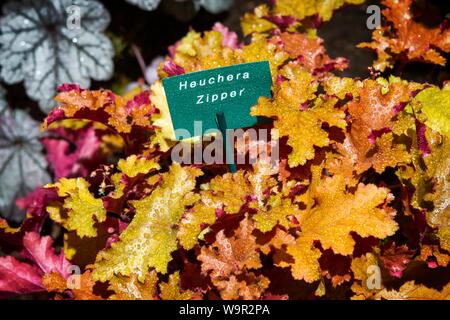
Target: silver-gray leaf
x,y
216,6
43,45
22,163
148,5
3,103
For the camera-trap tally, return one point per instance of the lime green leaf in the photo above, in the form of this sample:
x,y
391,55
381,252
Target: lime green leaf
x,y
435,104
151,237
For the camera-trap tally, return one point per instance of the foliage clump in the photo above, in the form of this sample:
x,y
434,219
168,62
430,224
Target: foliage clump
x,y
356,206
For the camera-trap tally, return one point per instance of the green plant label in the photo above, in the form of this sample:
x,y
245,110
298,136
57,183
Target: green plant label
x,y
232,90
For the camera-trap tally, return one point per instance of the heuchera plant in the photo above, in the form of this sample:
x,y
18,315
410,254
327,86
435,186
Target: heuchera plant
x,y
43,46
356,207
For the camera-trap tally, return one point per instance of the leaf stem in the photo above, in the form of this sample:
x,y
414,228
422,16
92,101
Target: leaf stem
x,y
139,58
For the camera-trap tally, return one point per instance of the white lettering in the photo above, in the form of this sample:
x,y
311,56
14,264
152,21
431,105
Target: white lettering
x,y
183,85
193,310
213,80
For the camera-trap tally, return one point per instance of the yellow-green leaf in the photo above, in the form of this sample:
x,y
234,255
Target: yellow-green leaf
x,y
151,236
81,207
435,104
335,215
172,290
133,165
301,9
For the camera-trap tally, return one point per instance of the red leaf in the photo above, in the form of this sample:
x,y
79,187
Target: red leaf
x,y
282,22
40,251
35,202
69,87
172,69
422,140
230,38
138,101
18,277
396,258
73,153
